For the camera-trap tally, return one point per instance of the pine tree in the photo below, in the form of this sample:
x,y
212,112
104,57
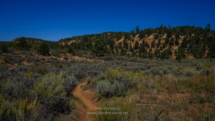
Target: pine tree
x,y
136,45
98,48
176,42
178,57
153,44
167,40
43,49
137,30
22,42
165,55
4,48
184,43
150,55
157,53
122,53
70,50
159,42
171,42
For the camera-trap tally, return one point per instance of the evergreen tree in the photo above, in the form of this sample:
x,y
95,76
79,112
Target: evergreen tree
x,y
157,53
127,36
70,50
212,49
153,44
165,55
175,52
43,49
136,45
122,52
208,27
184,43
169,33
142,34
181,52
137,30
194,51
150,55
176,42
147,45
4,48
159,42
171,42
178,57
167,40
125,44
23,43
132,33
98,48
143,55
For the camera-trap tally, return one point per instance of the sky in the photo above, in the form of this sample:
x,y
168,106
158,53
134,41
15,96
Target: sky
x,y
57,19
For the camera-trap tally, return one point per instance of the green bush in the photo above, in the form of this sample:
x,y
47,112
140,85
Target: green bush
x,y
116,83
43,49
65,58
58,52
70,50
108,58
4,48
23,43
19,111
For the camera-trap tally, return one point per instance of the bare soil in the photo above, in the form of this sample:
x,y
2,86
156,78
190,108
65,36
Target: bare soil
x,y
86,97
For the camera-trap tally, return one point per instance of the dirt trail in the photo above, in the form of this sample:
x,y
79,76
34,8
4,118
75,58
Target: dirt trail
x,y
85,96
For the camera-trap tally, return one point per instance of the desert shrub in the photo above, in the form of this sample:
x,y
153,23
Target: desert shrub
x,y
207,71
79,74
194,63
108,58
166,70
89,80
199,66
208,65
4,68
39,68
101,76
19,110
116,82
65,58
156,71
189,74
58,52
52,90
70,83
93,72
146,72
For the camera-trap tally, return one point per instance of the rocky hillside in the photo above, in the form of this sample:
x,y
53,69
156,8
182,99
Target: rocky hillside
x,y
162,42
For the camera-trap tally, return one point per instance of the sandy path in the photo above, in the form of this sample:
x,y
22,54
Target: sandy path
x,y
85,96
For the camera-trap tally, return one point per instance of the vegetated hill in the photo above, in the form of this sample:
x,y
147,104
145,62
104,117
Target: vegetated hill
x,y
35,41
3,42
161,42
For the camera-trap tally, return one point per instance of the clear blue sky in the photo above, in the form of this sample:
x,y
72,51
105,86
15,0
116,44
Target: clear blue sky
x,y
57,19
